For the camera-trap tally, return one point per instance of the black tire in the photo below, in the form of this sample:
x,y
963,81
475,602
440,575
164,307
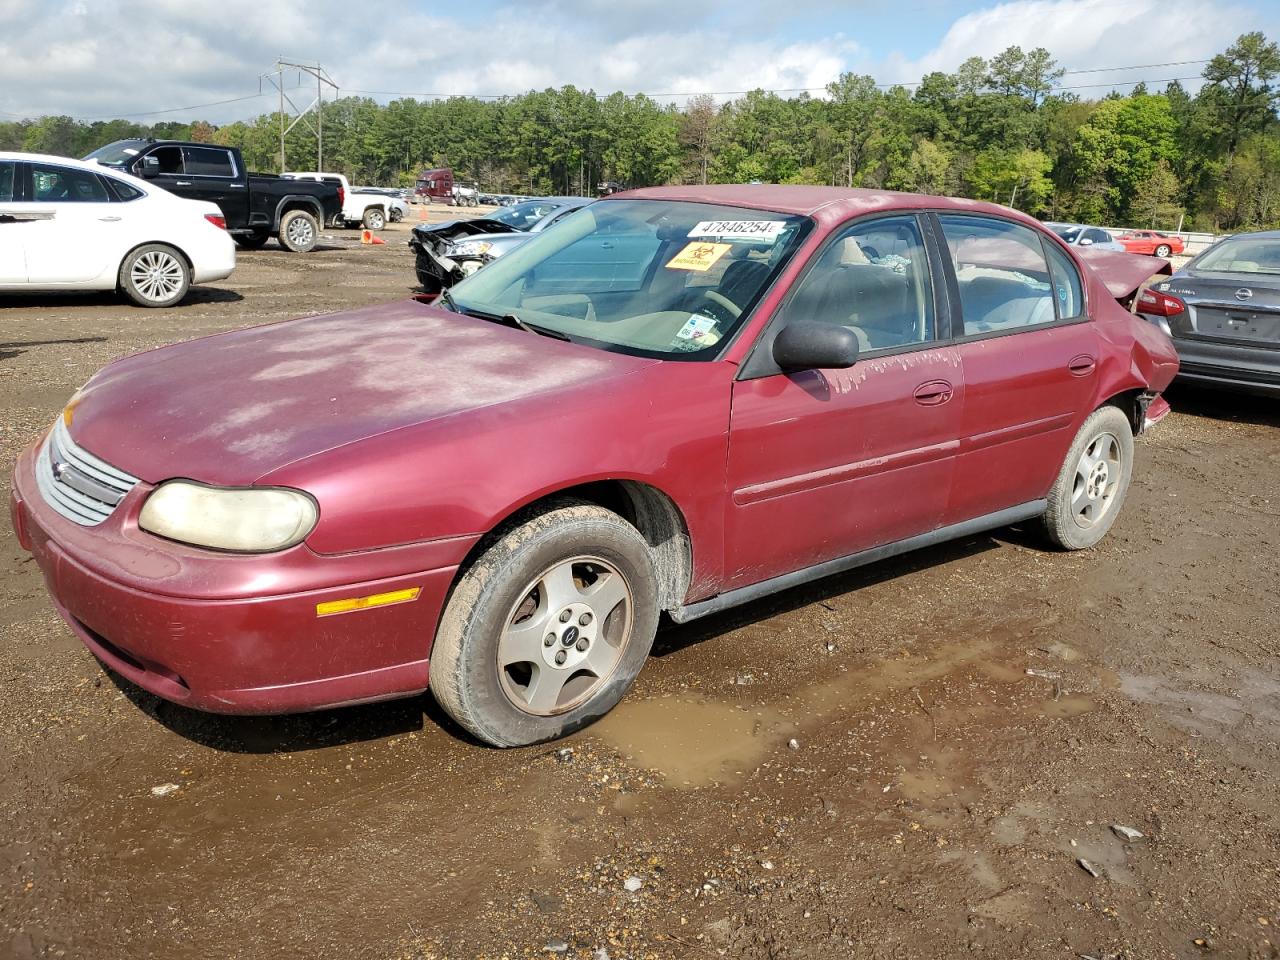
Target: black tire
x,y
466,678
252,241
154,275
299,231
1163,250
1064,522
374,219
396,215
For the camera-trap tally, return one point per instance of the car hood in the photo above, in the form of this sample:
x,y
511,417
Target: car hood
x,y
231,408
456,229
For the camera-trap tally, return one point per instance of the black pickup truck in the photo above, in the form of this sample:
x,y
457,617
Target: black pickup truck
x,y
257,206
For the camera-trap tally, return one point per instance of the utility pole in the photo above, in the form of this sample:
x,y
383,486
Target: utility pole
x,y
276,78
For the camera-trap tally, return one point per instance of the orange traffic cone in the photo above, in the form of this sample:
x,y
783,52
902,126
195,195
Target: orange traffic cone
x,y
377,241
366,236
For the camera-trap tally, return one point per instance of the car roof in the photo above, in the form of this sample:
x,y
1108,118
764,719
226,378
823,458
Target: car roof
x,y
823,202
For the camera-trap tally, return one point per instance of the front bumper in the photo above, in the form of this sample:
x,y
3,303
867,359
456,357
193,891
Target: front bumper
x,y
254,653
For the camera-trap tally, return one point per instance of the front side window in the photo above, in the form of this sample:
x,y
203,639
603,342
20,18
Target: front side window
x,y
874,279
208,162
657,278
169,159
52,184
8,180
1001,270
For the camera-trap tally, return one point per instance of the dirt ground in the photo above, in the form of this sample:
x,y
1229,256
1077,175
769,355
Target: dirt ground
x,y
863,768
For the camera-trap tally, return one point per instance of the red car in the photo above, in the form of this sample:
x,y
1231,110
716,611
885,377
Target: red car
x,y
1151,243
678,399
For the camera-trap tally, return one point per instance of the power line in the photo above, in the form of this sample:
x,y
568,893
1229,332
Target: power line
x,y
655,96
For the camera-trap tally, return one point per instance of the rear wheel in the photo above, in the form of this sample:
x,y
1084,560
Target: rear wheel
x,y
1090,489
299,231
155,275
374,219
1163,250
548,629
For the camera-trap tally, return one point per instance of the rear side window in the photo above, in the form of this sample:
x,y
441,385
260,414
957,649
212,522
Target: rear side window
x,y
8,180
52,184
1066,283
1001,270
208,162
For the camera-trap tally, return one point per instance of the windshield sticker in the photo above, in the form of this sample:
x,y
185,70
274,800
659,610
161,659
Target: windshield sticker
x,y
697,328
749,231
698,256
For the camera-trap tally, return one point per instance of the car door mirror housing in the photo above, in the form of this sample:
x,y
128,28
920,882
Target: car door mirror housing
x,y
815,346
1085,242
149,168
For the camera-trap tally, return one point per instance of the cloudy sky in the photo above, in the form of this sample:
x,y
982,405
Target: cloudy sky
x,y
108,58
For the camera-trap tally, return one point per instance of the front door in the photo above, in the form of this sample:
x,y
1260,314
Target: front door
x,y
13,258
827,463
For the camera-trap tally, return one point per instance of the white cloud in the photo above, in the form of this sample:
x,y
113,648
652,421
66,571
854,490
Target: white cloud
x,y
110,58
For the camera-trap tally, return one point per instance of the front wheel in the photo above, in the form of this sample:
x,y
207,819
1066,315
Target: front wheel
x,y
155,275
1163,250
548,629
1091,487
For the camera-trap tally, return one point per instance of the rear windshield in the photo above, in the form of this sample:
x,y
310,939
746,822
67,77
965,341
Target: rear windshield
x,y
655,278
1066,232
1242,255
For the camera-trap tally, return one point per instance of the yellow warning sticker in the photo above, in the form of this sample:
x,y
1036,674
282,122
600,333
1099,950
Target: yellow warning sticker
x,y
699,256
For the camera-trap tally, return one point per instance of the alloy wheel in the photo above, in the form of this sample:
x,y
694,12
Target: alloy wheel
x,y
565,636
157,276
1098,475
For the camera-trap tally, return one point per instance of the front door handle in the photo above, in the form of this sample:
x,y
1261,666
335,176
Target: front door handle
x,y
1082,365
109,219
182,183
933,393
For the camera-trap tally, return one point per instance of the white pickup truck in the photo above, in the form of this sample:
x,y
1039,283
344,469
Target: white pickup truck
x,y
368,210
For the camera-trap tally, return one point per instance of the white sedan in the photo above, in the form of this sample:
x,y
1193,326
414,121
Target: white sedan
x,y
71,225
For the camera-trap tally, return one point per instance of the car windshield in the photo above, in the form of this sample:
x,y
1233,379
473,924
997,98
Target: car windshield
x,y
1065,231
1242,255
525,216
117,154
655,278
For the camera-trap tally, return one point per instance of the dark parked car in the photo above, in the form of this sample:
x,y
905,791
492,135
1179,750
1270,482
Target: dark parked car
x,y
448,252
1223,312
679,399
257,206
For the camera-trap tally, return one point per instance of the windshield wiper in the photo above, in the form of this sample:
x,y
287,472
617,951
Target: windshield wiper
x,y
507,319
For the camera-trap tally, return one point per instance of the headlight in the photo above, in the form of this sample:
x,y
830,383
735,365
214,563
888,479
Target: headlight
x,y
243,519
471,248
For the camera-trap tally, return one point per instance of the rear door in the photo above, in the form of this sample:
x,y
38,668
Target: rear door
x,y
75,234
210,174
828,463
1029,355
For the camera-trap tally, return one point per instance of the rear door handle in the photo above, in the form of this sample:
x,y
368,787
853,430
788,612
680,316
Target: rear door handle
x,y
1082,365
109,219
182,183
933,393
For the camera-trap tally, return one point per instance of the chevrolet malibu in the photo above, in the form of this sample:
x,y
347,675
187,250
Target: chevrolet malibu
x,y
676,400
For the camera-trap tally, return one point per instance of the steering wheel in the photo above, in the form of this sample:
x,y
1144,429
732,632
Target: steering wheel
x,y
720,307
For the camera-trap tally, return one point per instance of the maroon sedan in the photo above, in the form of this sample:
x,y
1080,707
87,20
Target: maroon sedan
x,y
678,399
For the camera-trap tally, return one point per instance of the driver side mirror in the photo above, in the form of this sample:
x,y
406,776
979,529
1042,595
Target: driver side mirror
x,y
149,168
815,346
1085,241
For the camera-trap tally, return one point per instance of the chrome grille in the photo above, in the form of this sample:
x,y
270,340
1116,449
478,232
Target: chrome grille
x,y
77,484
